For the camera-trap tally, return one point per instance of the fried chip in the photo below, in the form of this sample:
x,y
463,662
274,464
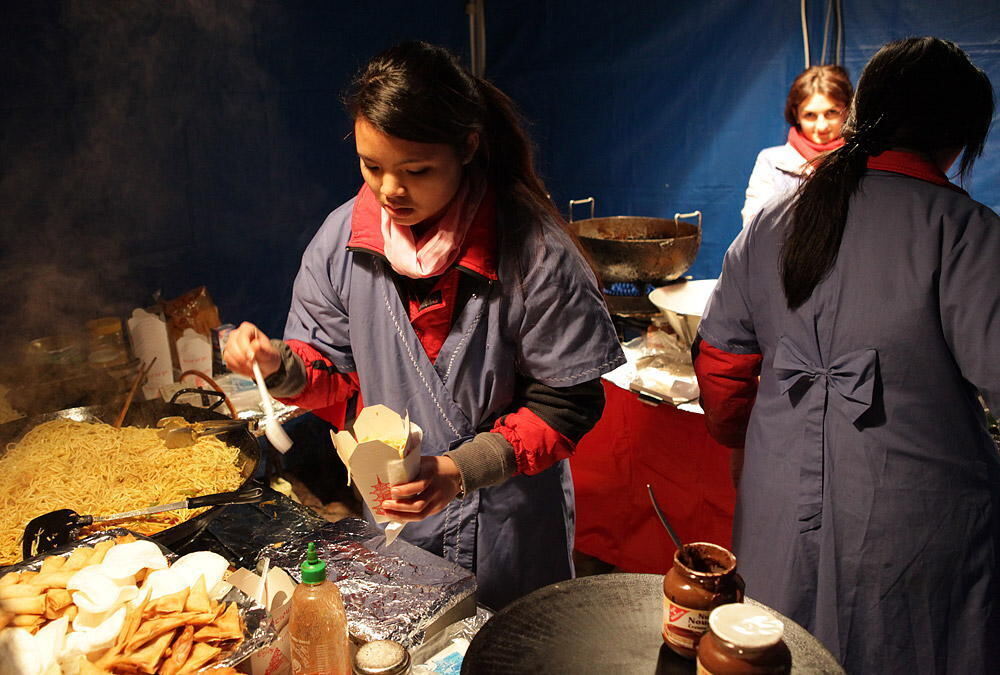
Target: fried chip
x,y
173,602
132,620
11,591
100,550
55,579
25,605
109,656
5,618
30,621
228,626
148,656
198,600
153,628
56,602
124,539
10,578
52,563
79,558
180,651
200,655
88,668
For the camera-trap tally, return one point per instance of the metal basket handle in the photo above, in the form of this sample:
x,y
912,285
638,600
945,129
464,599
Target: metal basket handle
x,y
205,395
574,202
678,216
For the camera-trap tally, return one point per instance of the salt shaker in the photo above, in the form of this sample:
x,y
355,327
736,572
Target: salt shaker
x,y
382,657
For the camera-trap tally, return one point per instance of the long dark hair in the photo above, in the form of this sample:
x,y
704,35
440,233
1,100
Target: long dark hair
x,y
829,80
420,92
922,94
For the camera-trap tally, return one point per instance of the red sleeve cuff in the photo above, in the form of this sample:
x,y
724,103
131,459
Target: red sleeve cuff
x,y
728,384
537,446
327,391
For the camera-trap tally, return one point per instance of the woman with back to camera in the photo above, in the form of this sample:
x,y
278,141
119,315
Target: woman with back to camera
x,y
447,288
869,305
815,109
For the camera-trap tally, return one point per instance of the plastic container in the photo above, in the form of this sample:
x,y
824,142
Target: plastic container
x,y
743,640
317,623
106,342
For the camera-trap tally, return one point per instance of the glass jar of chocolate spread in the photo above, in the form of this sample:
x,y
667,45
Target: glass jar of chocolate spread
x,y
702,578
743,640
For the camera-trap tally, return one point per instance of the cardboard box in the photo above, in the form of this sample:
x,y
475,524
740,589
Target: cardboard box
x,y
384,452
273,591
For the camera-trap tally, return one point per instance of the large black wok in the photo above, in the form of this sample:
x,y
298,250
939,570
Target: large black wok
x,y
145,414
638,249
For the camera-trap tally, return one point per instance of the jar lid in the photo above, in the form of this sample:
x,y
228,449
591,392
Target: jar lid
x,y
745,626
381,657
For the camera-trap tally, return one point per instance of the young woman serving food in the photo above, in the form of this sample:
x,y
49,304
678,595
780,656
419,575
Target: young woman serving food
x,y
448,288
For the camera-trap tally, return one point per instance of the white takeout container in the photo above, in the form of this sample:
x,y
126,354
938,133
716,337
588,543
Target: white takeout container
x,y
373,465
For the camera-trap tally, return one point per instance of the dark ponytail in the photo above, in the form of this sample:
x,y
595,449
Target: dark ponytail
x,y
510,157
420,92
922,94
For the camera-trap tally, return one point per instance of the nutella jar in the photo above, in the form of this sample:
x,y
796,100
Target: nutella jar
x,y
702,578
743,640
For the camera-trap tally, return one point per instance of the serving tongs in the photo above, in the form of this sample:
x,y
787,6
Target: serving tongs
x,y
56,528
177,432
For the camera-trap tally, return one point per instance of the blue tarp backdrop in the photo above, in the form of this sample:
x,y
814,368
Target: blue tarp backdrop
x,y
153,147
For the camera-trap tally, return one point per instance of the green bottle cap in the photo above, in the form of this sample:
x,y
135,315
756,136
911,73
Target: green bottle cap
x,y
313,568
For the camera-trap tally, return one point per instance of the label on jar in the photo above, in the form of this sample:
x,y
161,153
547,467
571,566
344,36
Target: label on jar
x,y
683,626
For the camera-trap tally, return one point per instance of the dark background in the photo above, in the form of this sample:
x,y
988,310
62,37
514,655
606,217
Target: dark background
x,y
151,147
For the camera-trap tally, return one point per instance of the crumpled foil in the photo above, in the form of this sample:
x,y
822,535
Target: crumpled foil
x,y
258,631
390,593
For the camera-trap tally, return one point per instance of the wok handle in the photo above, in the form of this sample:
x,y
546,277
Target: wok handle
x,y
247,496
678,216
574,202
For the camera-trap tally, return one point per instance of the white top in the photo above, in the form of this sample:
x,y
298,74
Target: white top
x,y
778,170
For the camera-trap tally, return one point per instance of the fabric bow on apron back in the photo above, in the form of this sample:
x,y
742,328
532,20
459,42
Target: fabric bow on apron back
x,y
850,378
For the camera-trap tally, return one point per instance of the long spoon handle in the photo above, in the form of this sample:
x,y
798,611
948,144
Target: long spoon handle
x,y
663,518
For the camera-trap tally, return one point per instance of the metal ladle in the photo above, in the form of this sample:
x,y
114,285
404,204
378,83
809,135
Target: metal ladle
x,y
663,518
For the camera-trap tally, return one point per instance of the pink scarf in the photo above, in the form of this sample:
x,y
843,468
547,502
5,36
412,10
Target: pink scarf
x,y
440,245
809,149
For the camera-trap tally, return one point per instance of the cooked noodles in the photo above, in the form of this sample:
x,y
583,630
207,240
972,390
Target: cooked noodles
x,y
96,469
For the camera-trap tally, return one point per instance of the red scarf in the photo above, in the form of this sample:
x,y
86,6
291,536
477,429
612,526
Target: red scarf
x,y
912,164
810,149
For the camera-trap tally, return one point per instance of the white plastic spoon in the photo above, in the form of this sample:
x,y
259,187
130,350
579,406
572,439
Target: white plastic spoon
x,y
272,429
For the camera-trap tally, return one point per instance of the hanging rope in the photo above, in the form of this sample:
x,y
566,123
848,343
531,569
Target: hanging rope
x,y
836,31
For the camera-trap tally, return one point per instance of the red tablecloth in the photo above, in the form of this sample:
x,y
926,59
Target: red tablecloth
x,y
634,444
